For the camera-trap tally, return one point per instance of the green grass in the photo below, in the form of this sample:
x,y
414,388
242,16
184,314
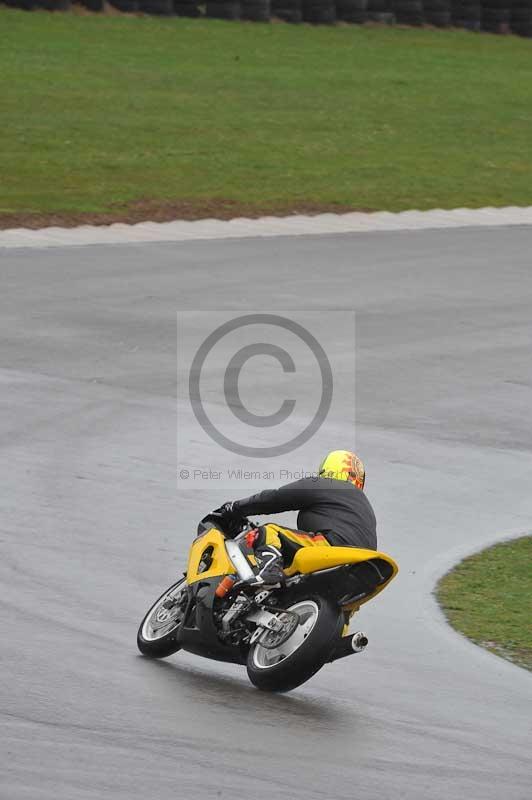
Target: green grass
x,y
105,110
488,597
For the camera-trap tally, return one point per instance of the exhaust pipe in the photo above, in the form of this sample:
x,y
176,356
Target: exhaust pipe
x,y
359,642
348,645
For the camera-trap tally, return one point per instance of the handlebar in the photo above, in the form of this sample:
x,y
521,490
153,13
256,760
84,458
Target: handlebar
x,y
232,529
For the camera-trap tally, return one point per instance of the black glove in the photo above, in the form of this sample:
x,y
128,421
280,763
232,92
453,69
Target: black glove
x,y
231,519
228,510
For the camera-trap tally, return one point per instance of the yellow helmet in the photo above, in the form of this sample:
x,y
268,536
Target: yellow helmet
x,y
343,466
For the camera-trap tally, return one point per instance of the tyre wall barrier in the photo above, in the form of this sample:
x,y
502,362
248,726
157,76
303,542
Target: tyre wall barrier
x,y
494,16
287,10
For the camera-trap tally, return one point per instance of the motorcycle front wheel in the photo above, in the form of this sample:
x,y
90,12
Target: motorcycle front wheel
x,y
156,637
282,668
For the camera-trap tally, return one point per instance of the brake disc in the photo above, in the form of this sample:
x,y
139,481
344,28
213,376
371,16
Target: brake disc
x,y
271,639
169,611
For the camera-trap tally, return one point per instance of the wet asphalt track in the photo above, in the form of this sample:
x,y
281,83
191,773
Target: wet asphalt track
x,y
91,529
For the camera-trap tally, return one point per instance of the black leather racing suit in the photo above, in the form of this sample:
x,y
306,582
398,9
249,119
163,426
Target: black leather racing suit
x,y
334,508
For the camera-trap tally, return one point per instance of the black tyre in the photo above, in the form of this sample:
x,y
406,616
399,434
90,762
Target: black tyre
x,y
293,15
408,6
493,4
287,10
354,12
223,10
319,12
162,8
156,637
256,10
303,654
93,5
187,10
440,6
440,19
354,17
53,5
127,6
466,15
523,30
408,12
521,18
496,20
521,14
409,18
386,18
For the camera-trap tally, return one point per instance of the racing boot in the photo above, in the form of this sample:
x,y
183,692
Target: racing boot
x,y
269,569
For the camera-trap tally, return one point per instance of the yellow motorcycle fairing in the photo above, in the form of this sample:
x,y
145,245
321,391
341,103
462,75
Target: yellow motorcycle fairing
x,y
211,544
315,559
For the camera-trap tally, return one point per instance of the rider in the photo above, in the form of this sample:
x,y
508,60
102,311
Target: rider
x,y
333,510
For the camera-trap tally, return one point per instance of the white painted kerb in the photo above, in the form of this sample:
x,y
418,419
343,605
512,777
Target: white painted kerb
x,y
295,225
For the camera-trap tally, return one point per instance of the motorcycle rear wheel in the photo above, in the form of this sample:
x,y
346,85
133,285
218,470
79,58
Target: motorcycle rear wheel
x,y
156,637
303,654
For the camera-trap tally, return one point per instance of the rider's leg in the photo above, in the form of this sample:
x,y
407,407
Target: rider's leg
x,y
265,546
274,547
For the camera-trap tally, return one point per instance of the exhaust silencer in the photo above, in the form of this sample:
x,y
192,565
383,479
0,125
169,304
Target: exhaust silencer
x,y
349,645
359,642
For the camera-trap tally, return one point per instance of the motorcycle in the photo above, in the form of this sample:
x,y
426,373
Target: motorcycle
x,y
283,635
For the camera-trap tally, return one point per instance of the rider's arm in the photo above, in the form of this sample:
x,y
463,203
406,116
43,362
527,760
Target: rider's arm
x,y
292,497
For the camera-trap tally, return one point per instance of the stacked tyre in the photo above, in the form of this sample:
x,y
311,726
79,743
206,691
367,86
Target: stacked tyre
x,y
437,13
288,10
93,5
125,5
521,17
408,12
187,8
159,8
354,11
380,11
466,14
27,5
223,9
30,5
256,10
53,5
319,12
496,16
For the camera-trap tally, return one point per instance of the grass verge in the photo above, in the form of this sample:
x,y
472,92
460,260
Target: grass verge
x,y
131,117
488,597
